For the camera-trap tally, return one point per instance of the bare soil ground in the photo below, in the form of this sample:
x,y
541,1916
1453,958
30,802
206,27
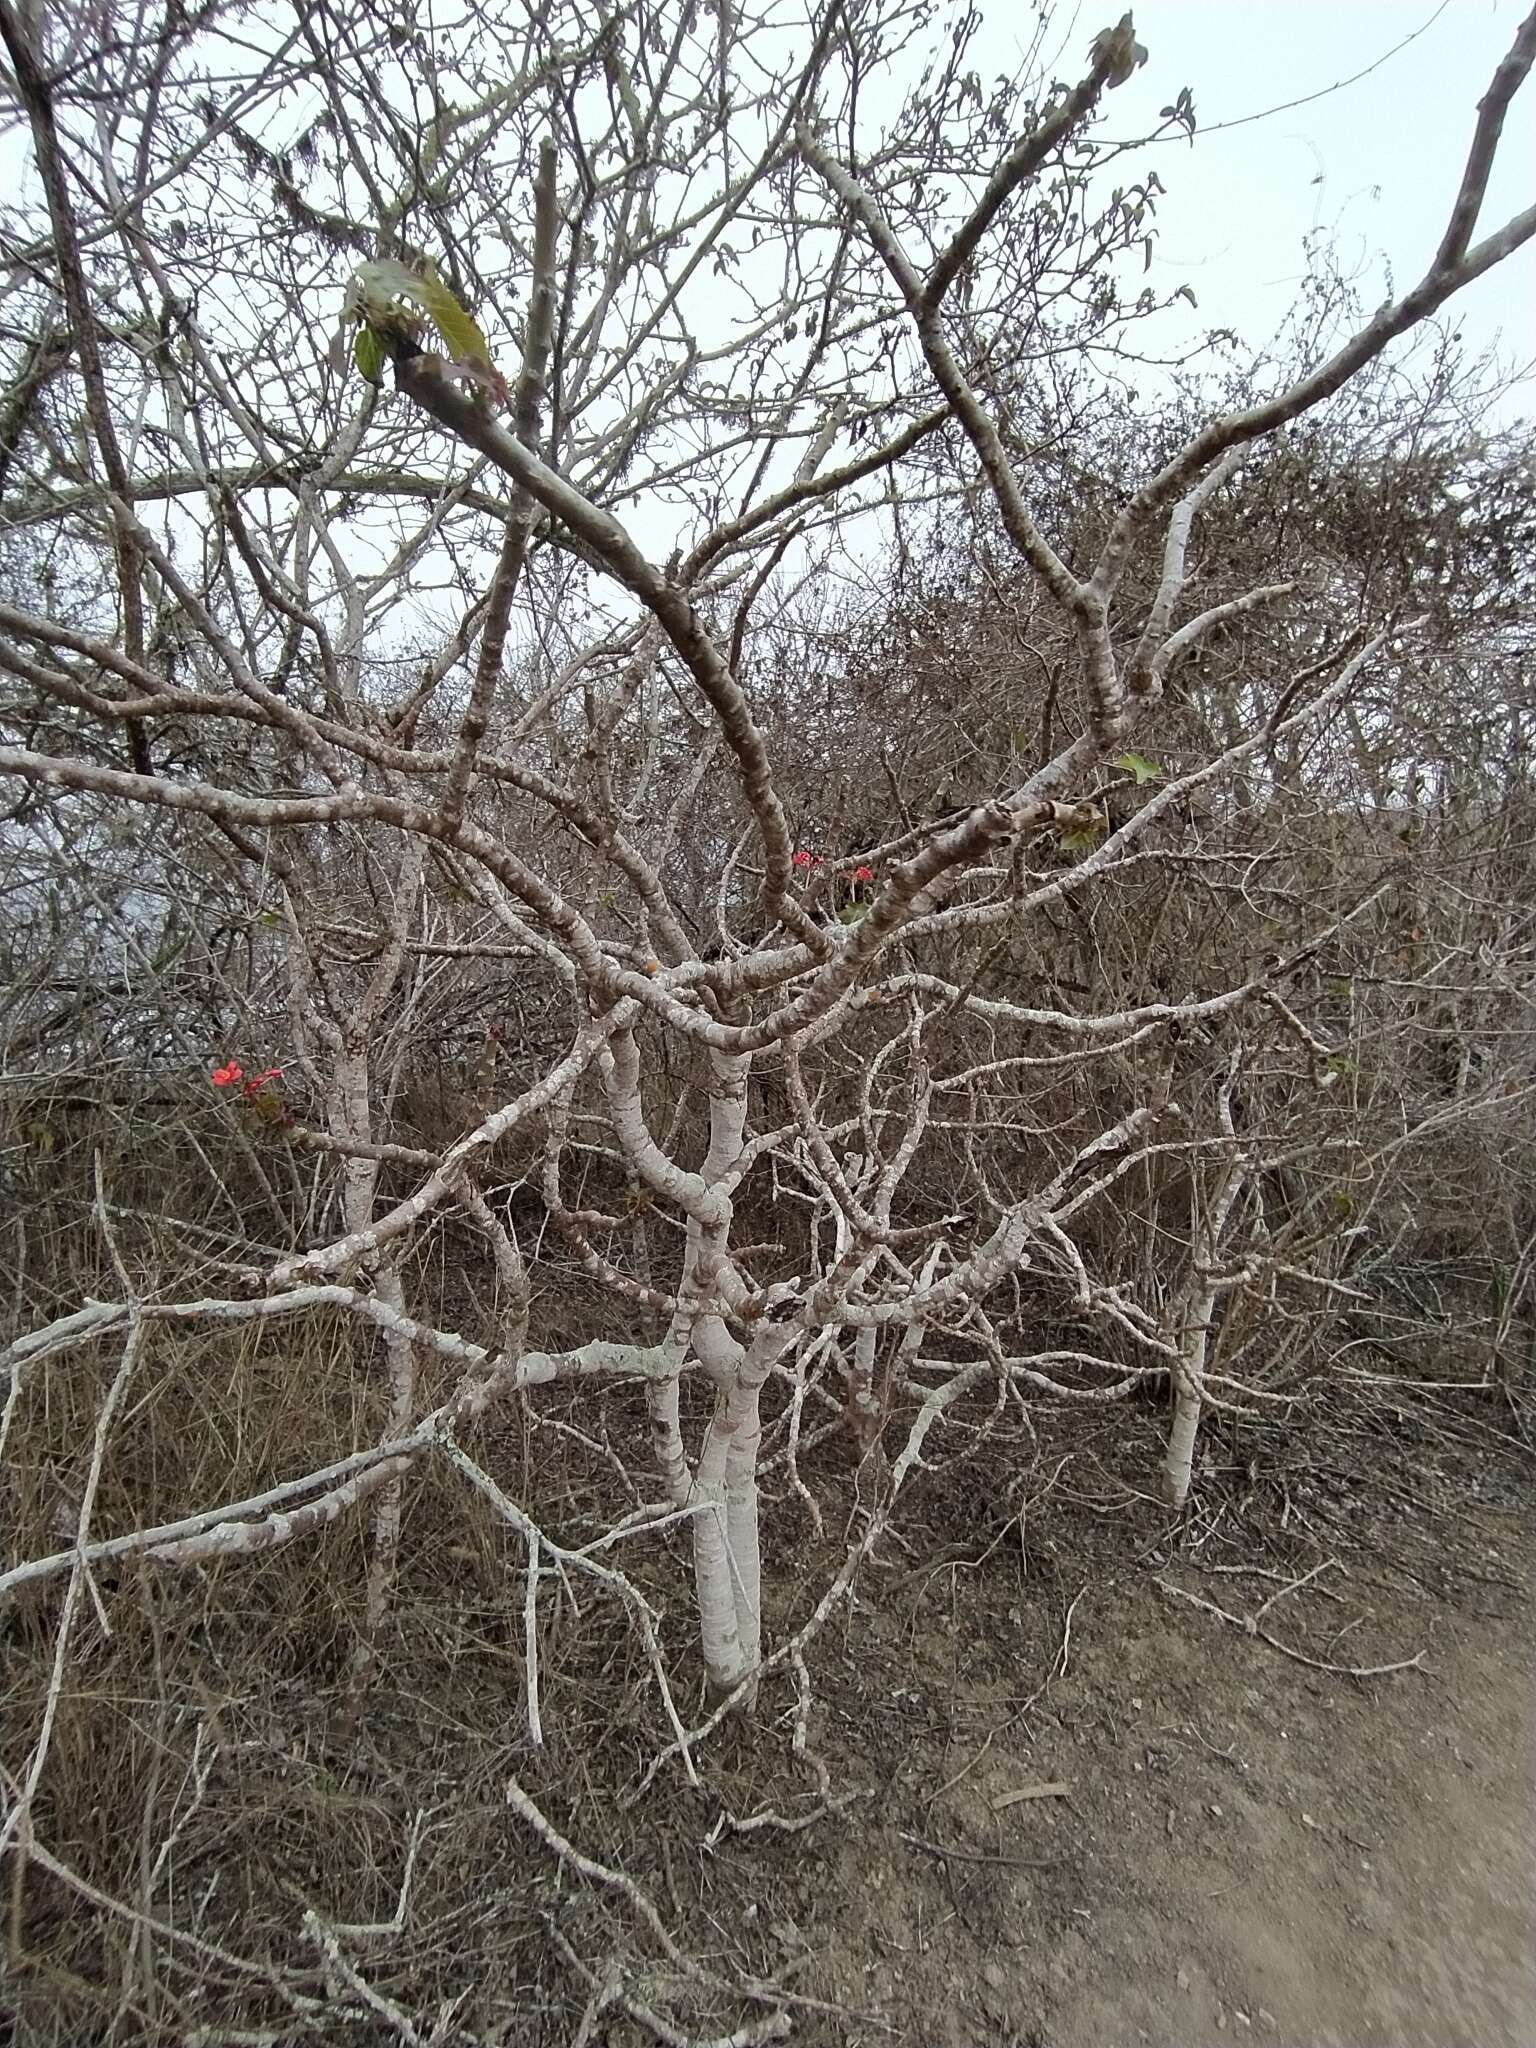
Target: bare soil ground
x,y
1084,1812
1248,1848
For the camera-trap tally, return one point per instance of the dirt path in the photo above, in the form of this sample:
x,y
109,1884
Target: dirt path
x,y
1250,1849
1367,1881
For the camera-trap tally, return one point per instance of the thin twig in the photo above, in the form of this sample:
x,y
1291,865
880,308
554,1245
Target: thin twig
x,y
948,1851
1250,1627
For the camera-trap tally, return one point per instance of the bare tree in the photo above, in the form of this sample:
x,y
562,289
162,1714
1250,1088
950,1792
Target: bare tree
x,y
486,698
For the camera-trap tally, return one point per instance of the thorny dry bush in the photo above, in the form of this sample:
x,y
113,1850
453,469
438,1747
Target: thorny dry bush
x,y
721,874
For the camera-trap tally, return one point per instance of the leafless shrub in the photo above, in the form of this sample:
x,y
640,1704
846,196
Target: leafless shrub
x,y
725,843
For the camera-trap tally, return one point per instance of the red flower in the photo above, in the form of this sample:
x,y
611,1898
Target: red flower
x,y
226,1076
251,1086
802,859
863,874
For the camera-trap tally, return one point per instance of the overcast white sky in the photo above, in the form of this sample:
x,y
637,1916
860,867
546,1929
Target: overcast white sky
x,y
1378,161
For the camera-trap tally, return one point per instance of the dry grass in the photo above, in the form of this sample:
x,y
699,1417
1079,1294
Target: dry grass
x,y
203,1793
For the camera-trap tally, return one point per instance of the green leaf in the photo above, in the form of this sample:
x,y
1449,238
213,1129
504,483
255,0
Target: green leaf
x,y
1082,840
852,912
378,285
461,334
1139,766
368,355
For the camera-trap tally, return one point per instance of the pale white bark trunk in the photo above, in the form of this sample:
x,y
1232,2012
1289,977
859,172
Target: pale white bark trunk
x,y
727,1554
1179,1462
351,1119
1199,1309
719,1634
741,1528
863,1403
400,1362
727,1561
661,1399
